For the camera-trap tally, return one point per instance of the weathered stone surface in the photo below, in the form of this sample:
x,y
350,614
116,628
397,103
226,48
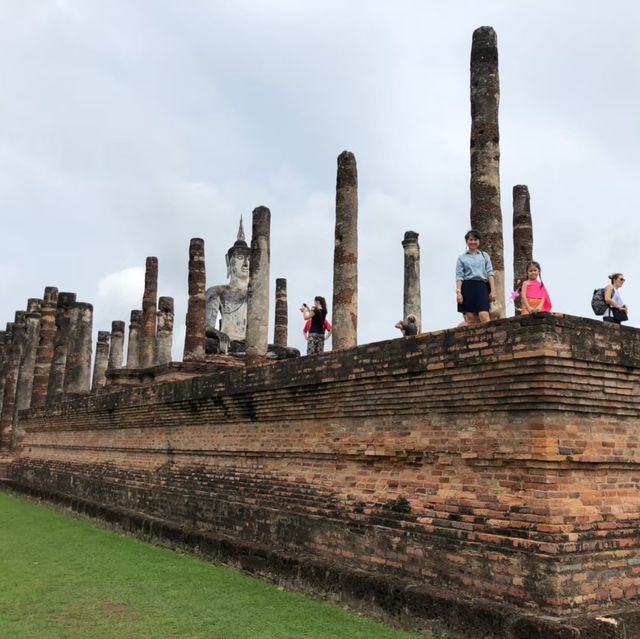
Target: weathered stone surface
x,y
525,498
29,351
7,418
64,323
133,345
165,329
77,378
412,302
5,342
522,237
229,301
44,353
102,359
148,343
486,213
281,329
116,345
345,255
194,340
258,292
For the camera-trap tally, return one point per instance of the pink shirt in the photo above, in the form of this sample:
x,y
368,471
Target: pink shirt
x,y
538,291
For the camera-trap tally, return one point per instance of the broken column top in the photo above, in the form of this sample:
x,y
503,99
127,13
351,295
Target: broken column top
x,y
117,326
66,299
410,237
165,304
50,294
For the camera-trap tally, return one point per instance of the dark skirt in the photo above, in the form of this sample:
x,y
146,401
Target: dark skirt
x,y
475,297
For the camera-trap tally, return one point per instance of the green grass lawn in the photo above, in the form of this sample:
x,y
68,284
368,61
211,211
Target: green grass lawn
x,y
62,577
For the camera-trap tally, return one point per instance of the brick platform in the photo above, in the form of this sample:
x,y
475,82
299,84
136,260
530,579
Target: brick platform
x,y
499,463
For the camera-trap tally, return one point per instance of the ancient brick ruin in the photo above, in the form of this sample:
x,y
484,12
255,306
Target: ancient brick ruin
x,y
481,478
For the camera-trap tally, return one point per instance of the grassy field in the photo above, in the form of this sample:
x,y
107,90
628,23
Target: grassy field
x,y
62,577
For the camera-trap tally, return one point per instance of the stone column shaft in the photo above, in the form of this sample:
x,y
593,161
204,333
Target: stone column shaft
x,y
486,214
194,340
522,238
30,348
77,379
64,323
44,353
345,255
5,341
102,360
412,303
280,331
11,382
116,345
133,345
149,315
165,329
258,292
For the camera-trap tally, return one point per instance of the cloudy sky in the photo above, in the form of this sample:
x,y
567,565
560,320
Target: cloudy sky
x,y
127,128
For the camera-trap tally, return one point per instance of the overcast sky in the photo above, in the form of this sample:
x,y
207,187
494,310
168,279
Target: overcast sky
x,y
129,127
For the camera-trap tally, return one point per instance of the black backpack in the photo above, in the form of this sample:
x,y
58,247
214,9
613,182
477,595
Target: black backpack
x,y
598,303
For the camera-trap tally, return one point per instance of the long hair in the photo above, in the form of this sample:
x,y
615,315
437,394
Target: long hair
x,y
323,303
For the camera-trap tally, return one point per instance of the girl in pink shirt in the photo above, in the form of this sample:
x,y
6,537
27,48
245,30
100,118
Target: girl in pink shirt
x,y
535,297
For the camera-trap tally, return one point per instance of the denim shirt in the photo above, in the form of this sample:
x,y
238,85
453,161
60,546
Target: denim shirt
x,y
474,267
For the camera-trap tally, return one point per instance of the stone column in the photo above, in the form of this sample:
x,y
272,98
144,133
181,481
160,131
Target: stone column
x,y
77,380
149,302
133,345
522,238
29,351
5,338
412,303
280,331
44,354
258,292
486,214
11,382
165,329
64,320
345,255
194,340
116,346
102,360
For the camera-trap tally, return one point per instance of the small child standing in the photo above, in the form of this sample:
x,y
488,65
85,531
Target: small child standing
x,y
535,297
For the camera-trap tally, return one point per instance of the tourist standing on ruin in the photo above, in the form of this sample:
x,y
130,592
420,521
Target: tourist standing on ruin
x,y
534,294
617,311
475,284
317,329
408,328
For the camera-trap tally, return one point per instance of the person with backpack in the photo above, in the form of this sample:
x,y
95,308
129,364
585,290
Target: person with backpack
x,y
533,293
410,327
475,284
617,311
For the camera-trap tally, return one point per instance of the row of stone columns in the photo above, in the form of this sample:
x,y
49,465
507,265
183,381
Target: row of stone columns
x,y
45,355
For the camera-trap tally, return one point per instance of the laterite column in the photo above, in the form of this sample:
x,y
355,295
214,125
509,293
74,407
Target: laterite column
x,y
412,304
165,329
258,292
149,302
280,331
486,214
194,340
345,255
44,353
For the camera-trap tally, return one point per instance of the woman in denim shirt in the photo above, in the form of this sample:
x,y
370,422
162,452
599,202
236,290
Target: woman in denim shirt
x,y
475,286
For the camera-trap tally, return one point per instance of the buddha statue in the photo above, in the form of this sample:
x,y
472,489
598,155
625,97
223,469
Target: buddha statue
x,y
229,301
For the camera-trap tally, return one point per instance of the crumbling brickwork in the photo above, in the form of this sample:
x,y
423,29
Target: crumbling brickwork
x,y
500,460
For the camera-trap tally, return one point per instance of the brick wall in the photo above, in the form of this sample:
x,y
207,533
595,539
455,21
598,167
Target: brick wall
x,y
500,461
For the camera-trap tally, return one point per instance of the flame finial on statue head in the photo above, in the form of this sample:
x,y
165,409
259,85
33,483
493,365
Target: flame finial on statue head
x,y
240,237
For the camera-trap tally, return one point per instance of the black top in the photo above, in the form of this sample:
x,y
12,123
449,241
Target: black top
x,y
317,321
